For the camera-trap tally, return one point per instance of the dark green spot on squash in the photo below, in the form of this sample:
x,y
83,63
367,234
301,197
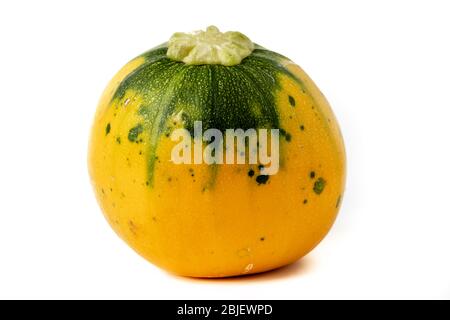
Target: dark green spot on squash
x,y
251,173
118,140
135,132
262,179
108,128
262,238
338,201
312,174
302,127
292,101
286,135
305,201
132,227
319,185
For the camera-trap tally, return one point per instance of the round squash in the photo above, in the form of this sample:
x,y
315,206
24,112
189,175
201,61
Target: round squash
x,y
215,219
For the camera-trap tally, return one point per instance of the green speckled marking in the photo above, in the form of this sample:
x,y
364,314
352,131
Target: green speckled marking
x,y
319,185
292,101
286,135
134,132
241,96
262,179
108,128
338,201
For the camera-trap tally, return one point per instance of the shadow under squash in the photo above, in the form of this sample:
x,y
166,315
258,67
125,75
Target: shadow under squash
x,y
296,269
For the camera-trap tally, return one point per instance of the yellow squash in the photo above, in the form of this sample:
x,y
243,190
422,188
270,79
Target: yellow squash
x,y
216,220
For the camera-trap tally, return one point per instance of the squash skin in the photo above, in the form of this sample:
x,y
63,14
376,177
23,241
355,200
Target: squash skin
x,y
217,221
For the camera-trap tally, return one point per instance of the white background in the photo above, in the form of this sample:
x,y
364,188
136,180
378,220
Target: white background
x,y
384,66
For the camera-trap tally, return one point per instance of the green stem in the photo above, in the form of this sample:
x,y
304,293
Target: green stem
x,y
210,47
